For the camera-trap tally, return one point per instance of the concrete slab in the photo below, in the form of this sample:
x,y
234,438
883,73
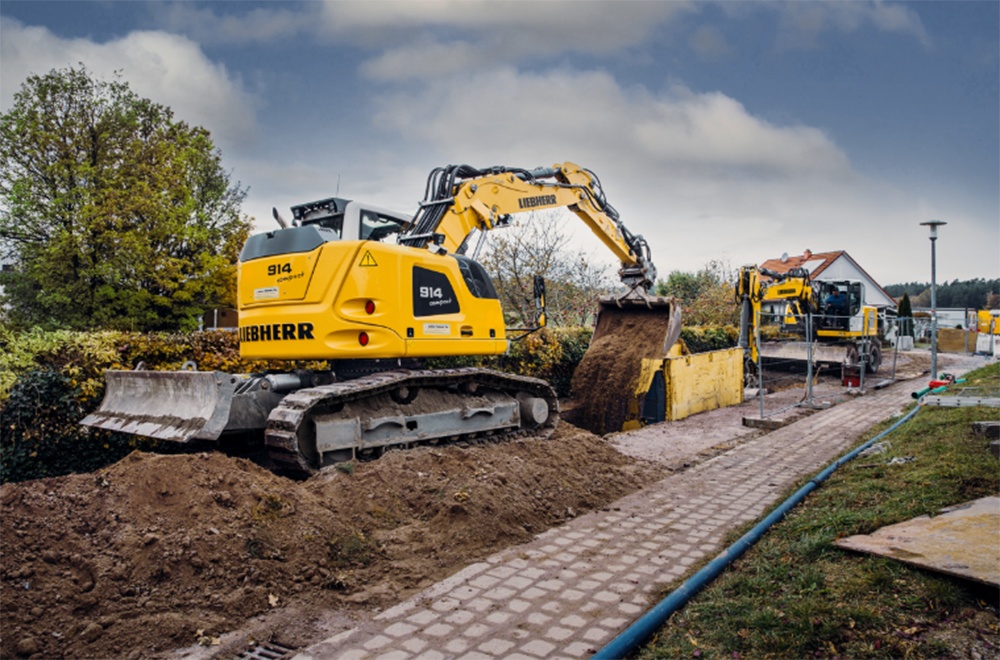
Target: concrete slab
x,y
963,541
768,424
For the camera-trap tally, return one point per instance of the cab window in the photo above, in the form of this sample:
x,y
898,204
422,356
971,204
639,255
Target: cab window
x,y
378,227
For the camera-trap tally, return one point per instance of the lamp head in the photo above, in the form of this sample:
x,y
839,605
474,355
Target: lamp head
x,y
934,224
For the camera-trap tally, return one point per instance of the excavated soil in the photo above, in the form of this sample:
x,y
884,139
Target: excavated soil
x,y
160,552
604,382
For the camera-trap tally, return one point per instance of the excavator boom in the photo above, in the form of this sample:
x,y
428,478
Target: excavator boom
x,y
459,200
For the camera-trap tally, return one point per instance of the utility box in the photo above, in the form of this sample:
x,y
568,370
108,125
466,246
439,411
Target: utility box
x,y
903,343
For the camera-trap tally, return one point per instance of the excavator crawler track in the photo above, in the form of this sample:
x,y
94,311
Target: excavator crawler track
x,y
319,426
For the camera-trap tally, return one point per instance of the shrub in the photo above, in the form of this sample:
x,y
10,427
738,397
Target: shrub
x,y
702,339
551,354
49,381
41,436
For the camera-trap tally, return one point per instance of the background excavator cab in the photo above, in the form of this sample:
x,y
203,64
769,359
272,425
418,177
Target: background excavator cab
x,y
840,312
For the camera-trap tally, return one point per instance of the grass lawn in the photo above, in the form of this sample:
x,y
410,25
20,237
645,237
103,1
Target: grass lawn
x,y
796,595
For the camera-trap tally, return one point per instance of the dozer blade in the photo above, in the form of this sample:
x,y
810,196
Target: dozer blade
x,y
628,331
180,406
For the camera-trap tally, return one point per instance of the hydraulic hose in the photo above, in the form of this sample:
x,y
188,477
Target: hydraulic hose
x,y
644,628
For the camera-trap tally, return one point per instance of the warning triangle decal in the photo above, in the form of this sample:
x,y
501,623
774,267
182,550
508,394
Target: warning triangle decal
x,y
367,260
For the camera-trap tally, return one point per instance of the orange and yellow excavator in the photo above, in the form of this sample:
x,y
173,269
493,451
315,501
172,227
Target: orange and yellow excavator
x,y
373,292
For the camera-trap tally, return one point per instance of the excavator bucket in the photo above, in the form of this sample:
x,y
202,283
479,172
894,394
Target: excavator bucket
x,y
180,406
628,331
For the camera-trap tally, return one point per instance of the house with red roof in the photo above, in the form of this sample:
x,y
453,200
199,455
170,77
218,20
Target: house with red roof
x,y
830,266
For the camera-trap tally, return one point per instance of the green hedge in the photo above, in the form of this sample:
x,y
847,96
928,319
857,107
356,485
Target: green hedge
x,y
702,339
550,354
51,380
41,435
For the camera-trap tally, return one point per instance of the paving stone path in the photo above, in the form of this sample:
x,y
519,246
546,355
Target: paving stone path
x,y
574,588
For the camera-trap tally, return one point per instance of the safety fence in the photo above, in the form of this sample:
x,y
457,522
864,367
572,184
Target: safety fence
x,y
797,351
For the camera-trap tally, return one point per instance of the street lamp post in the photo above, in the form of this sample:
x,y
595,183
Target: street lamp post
x,y
934,224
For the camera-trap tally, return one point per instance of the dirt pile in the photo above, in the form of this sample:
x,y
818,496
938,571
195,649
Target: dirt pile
x,y
604,383
157,552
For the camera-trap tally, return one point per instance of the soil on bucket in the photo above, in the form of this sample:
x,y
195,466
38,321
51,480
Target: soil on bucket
x,y
604,383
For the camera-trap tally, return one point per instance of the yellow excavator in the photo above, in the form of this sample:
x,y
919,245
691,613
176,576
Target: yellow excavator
x,y
374,292
843,329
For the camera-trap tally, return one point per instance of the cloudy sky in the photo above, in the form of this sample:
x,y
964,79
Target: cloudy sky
x,y
733,130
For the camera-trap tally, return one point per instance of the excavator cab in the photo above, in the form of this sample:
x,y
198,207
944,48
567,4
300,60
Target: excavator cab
x,y
840,303
350,220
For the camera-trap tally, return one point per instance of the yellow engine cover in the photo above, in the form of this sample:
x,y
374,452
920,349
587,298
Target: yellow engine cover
x,y
365,299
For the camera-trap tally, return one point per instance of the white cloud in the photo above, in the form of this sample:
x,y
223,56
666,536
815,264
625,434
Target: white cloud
x,y
426,59
582,26
590,114
166,68
802,23
713,129
400,29
468,35
260,25
695,173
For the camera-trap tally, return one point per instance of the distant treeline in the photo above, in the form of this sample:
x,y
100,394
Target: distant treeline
x,y
977,294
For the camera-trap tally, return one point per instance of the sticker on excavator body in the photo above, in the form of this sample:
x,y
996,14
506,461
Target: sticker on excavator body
x,y
437,328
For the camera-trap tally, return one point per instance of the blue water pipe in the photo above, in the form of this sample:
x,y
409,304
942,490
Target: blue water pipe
x,y
644,628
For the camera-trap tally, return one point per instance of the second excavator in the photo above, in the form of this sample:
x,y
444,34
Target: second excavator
x,y
374,292
825,322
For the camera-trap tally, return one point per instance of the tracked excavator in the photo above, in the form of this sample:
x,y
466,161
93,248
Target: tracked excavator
x,y
843,329
372,293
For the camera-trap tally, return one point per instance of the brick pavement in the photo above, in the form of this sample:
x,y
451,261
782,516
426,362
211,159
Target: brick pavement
x,y
572,589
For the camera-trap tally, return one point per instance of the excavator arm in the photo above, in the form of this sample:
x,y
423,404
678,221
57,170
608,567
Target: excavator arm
x,y
459,200
631,330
